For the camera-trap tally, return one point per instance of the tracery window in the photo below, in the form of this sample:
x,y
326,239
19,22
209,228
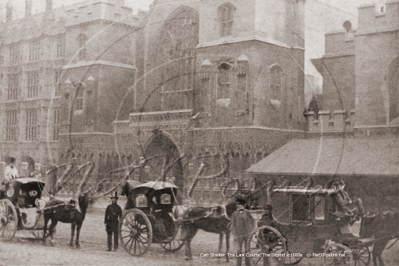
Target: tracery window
x,y
31,128
14,54
224,81
13,86
393,85
60,47
79,99
34,50
226,19
57,82
276,82
82,39
11,125
33,84
175,59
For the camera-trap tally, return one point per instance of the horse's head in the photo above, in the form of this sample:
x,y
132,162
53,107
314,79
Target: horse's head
x,y
231,208
383,223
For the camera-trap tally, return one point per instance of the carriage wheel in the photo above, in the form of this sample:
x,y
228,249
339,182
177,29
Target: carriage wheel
x,y
291,258
174,244
361,256
135,232
338,254
8,220
265,241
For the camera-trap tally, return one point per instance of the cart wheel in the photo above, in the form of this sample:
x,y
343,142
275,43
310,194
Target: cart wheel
x,y
135,232
174,244
361,256
265,241
291,258
338,254
8,220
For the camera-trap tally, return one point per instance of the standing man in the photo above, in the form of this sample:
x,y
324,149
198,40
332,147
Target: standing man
x,y
242,224
11,171
113,215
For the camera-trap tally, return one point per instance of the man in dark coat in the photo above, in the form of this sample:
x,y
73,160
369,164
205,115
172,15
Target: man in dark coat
x,y
343,202
242,224
113,215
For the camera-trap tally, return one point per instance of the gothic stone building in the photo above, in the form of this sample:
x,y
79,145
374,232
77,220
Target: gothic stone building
x,y
217,78
43,55
211,77
355,134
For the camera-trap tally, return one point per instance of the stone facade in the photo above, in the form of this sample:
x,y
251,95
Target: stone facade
x,y
360,70
211,78
44,56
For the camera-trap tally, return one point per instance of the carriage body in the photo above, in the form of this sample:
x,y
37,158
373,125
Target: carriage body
x,y
148,217
20,206
303,223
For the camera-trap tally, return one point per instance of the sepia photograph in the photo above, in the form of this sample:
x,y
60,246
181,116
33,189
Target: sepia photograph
x,y
199,132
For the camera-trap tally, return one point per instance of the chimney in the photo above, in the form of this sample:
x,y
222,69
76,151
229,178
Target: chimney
x,y
28,8
9,8
49,5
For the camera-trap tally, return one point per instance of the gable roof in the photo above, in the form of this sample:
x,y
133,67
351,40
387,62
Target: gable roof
x,y
341,156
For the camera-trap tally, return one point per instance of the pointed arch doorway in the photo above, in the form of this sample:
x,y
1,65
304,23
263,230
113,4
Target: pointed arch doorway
x,y
165,153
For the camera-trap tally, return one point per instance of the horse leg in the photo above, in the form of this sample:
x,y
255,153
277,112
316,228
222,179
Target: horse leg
x,y
227,245
73,225
52,229
378,248
191,230
79,225
220,244
46,219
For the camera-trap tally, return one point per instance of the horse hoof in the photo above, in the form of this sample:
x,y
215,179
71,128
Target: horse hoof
x,y
77,246
189,258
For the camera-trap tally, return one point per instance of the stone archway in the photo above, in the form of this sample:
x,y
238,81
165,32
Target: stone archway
x,y
168,153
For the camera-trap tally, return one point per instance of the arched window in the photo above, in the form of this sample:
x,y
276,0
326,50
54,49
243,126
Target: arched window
x,y
175,58
393,90
226,19
224,80
276,82
82,39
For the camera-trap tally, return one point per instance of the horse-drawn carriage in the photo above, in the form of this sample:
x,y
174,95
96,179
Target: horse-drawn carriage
x,y
20,208
148,217
308,228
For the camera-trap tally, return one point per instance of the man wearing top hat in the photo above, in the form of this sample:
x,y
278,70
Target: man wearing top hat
x,y
113,215
242,224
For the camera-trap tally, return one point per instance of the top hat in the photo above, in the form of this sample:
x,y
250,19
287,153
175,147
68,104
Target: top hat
x,y
114,195
12,160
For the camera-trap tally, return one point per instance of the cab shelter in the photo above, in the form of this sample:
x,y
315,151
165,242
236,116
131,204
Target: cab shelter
x,y
369,166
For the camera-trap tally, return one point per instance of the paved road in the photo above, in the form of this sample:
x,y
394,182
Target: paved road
x,y
25,250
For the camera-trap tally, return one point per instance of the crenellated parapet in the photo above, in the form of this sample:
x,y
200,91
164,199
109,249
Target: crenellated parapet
x,y
337,121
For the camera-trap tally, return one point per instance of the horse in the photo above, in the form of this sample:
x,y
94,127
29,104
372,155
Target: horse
x,y
384,227
213,220
57,211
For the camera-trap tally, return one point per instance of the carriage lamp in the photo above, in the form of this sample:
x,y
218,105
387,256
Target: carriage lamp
x,y
147,168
